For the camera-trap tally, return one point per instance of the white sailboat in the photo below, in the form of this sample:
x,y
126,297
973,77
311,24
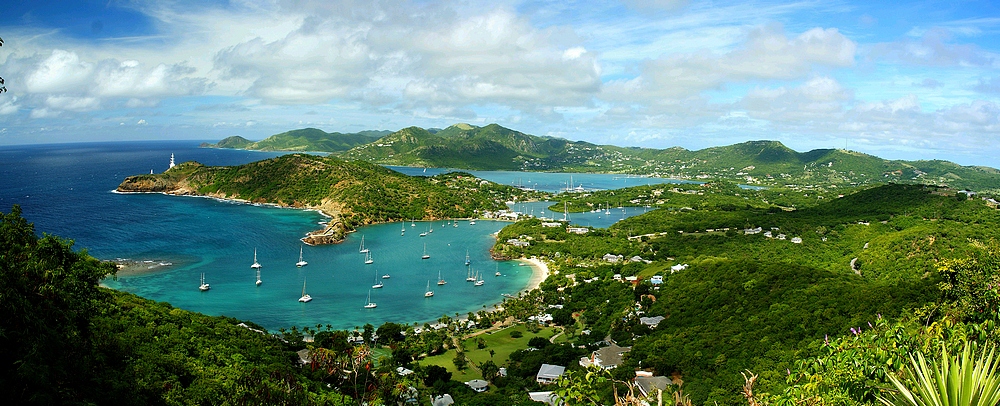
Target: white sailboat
x,y
429,292
470,277
467,262
301,263
369,304
258,278
378,284
386,276
425,256
472,222
403,230
256,265
479,280
305,296
441,280
368,258
498,271
364,250
204,286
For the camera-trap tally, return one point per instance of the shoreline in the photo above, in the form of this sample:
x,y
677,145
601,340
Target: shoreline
x,y
539,272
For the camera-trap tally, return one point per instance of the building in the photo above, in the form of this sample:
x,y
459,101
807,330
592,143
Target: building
x,y
549,373
443,400
796,240
551,224
478,385
605,357
612,258
656,279
652,322
547,397
577,230
648,385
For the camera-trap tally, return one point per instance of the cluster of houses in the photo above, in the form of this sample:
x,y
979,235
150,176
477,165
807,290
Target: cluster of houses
x,y
771,234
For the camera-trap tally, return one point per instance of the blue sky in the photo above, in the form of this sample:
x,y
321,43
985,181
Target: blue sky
x,y
916,80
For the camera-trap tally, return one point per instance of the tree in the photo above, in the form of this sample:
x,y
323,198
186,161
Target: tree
x,y
949,381
2,87
434,373
460,360
490,370
50,296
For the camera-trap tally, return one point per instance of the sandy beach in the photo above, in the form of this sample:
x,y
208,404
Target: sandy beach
x,y
539,271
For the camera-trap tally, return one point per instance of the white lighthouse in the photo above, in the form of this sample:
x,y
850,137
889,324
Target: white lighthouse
x,y
171,161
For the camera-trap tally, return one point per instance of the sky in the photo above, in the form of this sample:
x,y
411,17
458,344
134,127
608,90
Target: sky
x,y
900,80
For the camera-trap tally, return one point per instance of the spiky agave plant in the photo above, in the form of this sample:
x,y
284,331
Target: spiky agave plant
x,y
951,381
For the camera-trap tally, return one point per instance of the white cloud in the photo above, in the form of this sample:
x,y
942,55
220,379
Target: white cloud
x,y
61,72
9,106
934,48
820,99
72,103
767,54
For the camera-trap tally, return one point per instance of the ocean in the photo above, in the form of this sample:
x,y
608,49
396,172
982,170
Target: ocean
x,y
67,190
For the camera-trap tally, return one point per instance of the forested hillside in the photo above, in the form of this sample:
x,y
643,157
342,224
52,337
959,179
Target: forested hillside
x,y
354,193
751,287
494,147
69,341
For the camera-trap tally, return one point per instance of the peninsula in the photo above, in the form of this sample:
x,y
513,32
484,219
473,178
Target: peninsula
x,y
351,193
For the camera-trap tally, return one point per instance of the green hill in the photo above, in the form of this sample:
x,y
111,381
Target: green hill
x,y
493,147
354,193
306,139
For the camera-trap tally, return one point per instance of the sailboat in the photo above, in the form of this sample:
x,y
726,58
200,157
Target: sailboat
x,y
429,228
305,297
467,262
479,280
258,278
368,258
429,292
470,277
441,281
378,283
204,286
403,230
364,250
386,276
256,265
425,256
301,263
472,222
498,270
369,304
412,224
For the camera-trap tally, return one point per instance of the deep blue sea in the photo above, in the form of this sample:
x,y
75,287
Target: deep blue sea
x,y
67,190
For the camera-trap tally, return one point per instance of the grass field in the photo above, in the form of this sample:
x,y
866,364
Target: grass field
x,y
500,342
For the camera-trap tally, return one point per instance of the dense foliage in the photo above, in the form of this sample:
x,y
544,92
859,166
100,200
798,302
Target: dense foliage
x,y
494,147
306,139
742,298
69,341
356,191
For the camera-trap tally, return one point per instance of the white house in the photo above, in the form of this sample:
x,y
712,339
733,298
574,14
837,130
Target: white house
x,y
652,322
549,373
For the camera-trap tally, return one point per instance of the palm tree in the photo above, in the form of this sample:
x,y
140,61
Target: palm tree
x,y
950,381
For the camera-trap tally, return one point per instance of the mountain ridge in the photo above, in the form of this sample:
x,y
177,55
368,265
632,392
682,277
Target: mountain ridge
x,y
758,162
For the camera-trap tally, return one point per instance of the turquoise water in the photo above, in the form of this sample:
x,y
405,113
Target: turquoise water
x,y
551,181
67,190
597,219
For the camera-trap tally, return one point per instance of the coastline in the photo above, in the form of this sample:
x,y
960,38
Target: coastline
x,y
539,272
